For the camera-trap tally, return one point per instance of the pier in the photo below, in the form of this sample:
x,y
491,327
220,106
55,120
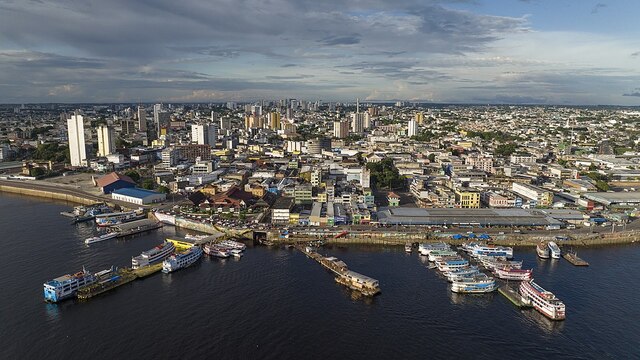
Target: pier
x,y
512,295
136,227
120,277
353,280
573,258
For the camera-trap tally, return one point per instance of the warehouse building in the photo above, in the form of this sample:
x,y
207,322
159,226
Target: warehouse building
x,y
138,196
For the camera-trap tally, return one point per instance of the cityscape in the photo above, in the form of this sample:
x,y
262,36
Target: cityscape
x,y
456,169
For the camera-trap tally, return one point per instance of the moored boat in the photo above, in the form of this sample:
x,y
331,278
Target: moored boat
x,y
217,250
448,265
513,274
434,255
118,218
543,250
555,250
181,260
408,249
99,238
154,255
542,300
474,285
66,286
425,249
462,273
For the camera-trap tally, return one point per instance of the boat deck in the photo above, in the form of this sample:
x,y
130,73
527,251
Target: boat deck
x,y
148,270
136,227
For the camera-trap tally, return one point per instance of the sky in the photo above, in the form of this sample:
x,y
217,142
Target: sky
x,y
564,52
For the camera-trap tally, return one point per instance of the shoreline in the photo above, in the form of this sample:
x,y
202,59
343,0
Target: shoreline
x,y
47,191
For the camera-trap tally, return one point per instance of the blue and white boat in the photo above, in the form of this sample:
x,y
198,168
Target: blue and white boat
x,y
426,248
462,273
474,285
448,265
181,260
66,286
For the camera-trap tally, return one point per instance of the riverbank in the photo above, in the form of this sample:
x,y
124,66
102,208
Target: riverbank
x,y
48,191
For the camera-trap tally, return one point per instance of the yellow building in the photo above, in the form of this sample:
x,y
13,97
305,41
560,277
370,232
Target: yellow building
x,y
274,120
468,199
419,118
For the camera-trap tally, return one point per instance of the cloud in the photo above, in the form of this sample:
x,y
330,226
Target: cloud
x,y
340,40
597,7
634,93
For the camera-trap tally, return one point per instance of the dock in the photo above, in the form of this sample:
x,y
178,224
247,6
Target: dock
x,y
512,295
136,227
147,270
351,279
122,276
573,258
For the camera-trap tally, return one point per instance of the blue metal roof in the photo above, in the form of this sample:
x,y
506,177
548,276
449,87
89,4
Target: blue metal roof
x,y
135,192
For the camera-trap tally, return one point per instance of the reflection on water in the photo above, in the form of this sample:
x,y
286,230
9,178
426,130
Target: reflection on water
x,y
476,300
53,311
547,325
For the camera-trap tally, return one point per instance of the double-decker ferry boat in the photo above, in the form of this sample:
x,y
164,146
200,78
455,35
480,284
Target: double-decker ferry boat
x,y
233,245
117,218
217,250
555,250
66,286
448,265
490,250
181,260
492,264
459,274
474,285
153,256
513,274
543,250
542,300
427,248
438,254
99,238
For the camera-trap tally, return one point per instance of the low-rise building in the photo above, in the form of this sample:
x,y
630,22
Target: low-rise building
x,y
138,196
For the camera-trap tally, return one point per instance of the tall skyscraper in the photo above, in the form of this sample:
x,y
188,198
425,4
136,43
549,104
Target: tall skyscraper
x,y
77,146
419,118
340,129
357,122
274,120
204,134
106,140
142,119
412,128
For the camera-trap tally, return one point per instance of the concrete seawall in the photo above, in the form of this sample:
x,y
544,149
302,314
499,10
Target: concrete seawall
x,y
56,193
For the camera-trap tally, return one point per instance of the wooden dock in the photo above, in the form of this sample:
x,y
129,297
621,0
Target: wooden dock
x,y
573,258
512,295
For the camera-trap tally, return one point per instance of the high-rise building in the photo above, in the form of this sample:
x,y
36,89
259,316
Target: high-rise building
x,y
274,120
357,122
106,140
142,119
225,123
204,134
412,128
77,146
419,118
340,129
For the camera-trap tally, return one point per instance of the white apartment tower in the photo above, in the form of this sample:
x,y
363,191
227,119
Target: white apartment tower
x,y
204,134
412,128
106,140
77,146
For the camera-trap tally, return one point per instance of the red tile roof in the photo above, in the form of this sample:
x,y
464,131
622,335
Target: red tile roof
x,y
111,178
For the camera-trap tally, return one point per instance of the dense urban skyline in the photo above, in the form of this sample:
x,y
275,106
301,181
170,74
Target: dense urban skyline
x,y
537,52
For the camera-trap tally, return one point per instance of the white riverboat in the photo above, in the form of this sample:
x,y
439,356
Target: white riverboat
x,y
542,300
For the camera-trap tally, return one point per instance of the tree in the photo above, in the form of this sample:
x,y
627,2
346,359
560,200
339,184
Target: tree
x,y
602,185
164,189
432,157
134,175
505,149
148,184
